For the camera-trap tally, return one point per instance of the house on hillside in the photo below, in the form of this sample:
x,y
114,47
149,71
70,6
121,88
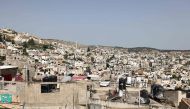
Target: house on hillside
x,y
2,49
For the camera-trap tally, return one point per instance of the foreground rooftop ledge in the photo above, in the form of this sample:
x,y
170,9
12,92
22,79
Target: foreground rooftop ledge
x,y
7,67
46,82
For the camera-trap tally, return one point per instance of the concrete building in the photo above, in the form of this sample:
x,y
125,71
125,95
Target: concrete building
x,y
8,72
66,96
185,103
175,97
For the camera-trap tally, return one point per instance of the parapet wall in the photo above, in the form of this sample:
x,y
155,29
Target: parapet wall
x,y
70,94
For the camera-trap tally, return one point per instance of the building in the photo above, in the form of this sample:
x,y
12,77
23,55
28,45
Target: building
x,y
8,72
185,103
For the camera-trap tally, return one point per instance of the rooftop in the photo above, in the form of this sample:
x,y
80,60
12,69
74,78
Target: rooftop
x,y
7,67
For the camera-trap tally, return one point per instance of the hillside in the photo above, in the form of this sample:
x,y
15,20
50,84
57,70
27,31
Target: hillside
x,y
19,38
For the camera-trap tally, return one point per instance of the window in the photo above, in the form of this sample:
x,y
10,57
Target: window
x,y
49,88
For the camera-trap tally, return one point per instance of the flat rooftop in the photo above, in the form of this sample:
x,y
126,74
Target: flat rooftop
x,y
7,67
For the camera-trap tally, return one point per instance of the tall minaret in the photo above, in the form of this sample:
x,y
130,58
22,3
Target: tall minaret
x,y
76,45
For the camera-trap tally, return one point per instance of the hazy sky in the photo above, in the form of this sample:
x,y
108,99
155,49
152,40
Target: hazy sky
x,y
163,24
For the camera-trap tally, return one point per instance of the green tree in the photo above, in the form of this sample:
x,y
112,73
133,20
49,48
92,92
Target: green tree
x,y
31,42
1,37
65,56
25,44
88,49
44,47
13,42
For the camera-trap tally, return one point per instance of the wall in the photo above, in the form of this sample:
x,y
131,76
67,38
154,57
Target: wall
x,y
70,94
183,104
175,96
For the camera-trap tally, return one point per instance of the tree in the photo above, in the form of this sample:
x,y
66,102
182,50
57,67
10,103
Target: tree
x,y
36,60
24,52
44,47
25,44
66,56
92,59
13,42
1,37
88,49
31,42
107,65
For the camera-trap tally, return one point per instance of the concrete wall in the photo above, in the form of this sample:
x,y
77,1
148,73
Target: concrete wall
x,y
175,96
98,104
70,95
183,104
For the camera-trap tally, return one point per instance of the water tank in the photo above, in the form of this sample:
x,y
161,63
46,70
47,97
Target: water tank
x,y
120,93
129,80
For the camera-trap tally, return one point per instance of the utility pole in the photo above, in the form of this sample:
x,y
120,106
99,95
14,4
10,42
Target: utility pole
x,y
73,99
86,98
139,97
76,45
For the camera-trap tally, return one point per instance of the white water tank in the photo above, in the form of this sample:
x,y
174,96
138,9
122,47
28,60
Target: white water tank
x,y
129,80
138,79
120,93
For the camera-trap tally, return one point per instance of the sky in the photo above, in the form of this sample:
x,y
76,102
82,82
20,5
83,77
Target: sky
x,y
162,24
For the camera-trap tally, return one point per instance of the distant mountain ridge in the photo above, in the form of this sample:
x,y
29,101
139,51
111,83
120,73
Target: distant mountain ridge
x,y
141,49
21,37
